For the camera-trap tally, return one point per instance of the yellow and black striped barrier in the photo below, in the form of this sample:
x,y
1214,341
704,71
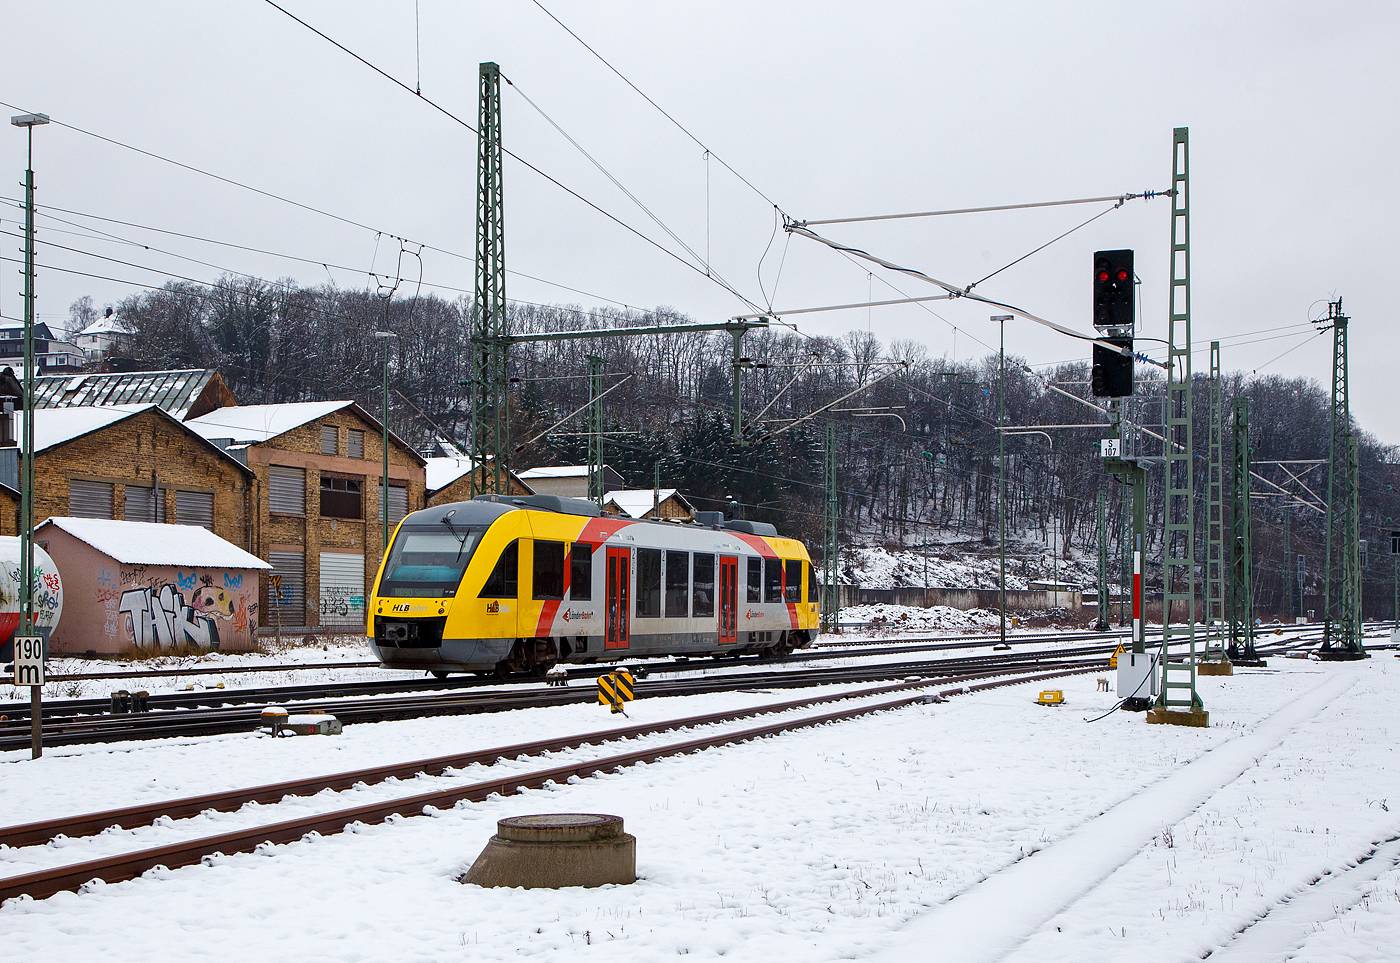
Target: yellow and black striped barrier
x,y
616,689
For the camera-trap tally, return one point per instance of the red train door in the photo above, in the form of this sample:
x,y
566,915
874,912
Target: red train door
x,y
619,578
728,600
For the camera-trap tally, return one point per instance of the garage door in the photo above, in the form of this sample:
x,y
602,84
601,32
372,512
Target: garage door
x,y
289,598
343,589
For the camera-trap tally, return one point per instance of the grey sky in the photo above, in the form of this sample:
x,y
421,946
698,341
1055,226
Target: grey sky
x,y
830,109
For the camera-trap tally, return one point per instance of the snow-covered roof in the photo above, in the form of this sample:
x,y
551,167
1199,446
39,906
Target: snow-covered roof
x,y
54,426
150,543
258,423
108,325
181,392
636,503
442,472
555,471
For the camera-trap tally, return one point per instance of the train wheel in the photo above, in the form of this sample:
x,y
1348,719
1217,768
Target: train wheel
x,y
540,669
439,674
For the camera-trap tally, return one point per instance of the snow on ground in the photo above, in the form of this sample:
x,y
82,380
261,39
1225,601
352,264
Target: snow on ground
x,y
841,842
882,615
953,566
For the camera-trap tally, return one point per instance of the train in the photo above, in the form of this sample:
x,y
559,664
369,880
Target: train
x,y
508,586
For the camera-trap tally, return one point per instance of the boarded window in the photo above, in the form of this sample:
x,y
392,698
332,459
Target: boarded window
x,y
581,572
90,499
792,584
195,508
548,570
286,490
677,585
773,580
291,595
755,585
340,498
357,443
330,437
342,589
142,507
703,592
648,583
398,504
504,581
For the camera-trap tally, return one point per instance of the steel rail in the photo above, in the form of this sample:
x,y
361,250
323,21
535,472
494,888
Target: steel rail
x,y
44,883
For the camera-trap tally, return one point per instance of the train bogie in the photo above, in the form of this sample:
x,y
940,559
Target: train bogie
x,y
517,585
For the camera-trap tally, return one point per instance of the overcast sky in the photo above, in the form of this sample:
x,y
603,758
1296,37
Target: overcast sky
x,y
827,109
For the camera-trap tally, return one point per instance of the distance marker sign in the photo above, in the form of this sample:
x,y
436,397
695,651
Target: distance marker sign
x,y
29,660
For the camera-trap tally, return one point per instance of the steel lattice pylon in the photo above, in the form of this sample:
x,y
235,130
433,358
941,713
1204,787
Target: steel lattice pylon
x,y
1342,633
1215,544
831,568
1178,549
596,484
490,426
1241,547
1102,622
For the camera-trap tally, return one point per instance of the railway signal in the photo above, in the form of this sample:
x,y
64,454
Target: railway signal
x,y
1113,289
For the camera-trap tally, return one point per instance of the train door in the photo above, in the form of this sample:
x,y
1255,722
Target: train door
x,y
728,600
618,581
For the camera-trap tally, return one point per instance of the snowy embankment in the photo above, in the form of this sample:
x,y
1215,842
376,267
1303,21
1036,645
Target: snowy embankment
x,y
876,567
841,842
879,615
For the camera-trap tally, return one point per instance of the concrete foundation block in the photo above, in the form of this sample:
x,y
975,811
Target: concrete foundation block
x,y
1223,667
556,849
1195,717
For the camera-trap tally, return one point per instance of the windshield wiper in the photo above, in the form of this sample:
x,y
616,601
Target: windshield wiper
x,y
461,539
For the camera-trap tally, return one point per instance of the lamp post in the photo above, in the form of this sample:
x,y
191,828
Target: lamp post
x,y
26,531
384,486
1001,467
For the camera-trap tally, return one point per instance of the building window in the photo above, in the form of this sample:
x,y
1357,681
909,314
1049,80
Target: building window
x,y
755,585
330,437
702,604
581,572
398,504
677,585
357,443
648,583
286,490
340,498
88,499
549,570
195,508
141,507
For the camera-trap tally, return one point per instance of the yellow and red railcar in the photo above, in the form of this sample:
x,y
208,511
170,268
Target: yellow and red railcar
x,y
509,585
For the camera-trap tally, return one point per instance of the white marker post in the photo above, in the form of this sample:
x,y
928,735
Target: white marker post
x,y
29,670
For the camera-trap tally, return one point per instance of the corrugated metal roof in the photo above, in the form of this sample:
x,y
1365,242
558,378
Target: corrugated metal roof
x,y
175,391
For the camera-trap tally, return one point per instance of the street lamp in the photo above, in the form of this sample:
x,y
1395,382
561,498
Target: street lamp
x,y
384,487
1001,466
26,532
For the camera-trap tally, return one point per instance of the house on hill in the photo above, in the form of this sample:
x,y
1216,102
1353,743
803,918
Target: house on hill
x,y
319,468
51,353
568,480
449,479
648,503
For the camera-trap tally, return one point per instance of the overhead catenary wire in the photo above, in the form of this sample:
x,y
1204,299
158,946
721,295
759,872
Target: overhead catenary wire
x,y
1118,198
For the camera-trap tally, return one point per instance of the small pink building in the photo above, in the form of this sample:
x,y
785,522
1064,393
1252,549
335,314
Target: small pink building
x,y
150,586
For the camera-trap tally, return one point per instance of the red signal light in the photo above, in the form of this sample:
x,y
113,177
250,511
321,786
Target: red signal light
x,y
1122,274
1103,275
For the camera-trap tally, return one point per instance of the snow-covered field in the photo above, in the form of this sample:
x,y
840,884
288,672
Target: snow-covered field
x,y
843,842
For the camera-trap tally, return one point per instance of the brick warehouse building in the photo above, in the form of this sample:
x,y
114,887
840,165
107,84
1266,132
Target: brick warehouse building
x,y
135,463
319,467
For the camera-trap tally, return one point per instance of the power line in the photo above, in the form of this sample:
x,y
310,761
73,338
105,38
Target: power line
x,y
1120,199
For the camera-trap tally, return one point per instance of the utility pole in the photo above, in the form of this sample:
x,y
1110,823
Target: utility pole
x,y
26,532
1215,546
1241,545
1287,559
1341,634
1001,469
1178,701
1101,624
831,567
384,487
490,438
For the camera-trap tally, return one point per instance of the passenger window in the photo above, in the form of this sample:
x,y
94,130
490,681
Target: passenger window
x,y
813,593
581,572
549,570
504,582
702,604
755,580
773,589
792,585
677,585
648,583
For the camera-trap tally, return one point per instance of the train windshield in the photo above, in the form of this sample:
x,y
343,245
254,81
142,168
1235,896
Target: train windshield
x,y
428,561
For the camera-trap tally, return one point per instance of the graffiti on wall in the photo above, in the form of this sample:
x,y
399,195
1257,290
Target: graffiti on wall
x,y
152,612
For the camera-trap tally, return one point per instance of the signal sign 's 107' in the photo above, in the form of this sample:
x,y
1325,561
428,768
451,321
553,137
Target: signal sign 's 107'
x,y
29,660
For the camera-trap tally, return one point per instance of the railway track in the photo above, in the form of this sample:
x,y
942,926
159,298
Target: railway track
x,y
41,883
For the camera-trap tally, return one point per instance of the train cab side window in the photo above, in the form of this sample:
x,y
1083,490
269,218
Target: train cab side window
x,y
648,583
702,605
773,583
581,572
792,586
504,582
755,580
813,593
677,585
549,570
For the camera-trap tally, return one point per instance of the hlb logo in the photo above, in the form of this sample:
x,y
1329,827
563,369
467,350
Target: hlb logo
x,y
402,607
